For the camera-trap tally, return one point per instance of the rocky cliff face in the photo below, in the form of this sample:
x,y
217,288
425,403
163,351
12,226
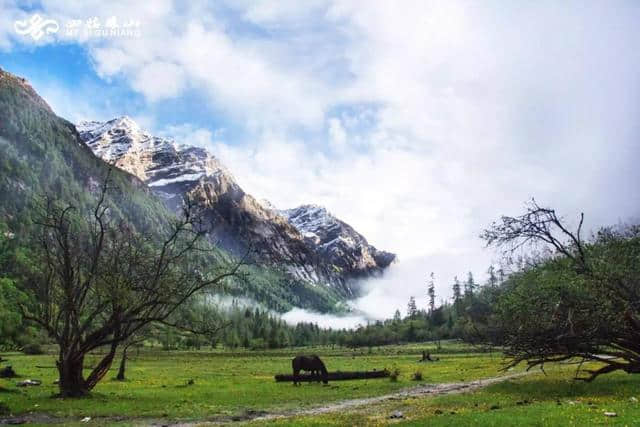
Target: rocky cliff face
x,y
307,242
336,241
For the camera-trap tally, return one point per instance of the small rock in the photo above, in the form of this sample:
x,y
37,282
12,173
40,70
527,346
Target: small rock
x,y
396,415
610,414
634,399
85,420
571,402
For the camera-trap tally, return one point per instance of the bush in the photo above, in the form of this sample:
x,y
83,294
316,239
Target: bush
x,y
32,348
417,376
394,374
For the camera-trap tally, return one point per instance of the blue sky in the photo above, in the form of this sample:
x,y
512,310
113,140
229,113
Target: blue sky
x,y
418,123
70,83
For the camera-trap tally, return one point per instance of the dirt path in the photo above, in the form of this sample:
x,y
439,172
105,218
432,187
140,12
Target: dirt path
x,y
250,415
423,390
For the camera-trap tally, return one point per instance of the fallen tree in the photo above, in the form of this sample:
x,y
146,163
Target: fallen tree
x,y
335,376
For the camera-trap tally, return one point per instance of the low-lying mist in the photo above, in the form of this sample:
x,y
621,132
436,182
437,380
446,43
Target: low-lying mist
x,y
382,296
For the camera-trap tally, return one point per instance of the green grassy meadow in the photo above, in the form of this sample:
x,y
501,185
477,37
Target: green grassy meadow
x,y
235,384
533,400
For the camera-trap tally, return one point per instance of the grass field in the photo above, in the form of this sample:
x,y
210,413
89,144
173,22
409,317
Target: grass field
x,y
532,400
232,385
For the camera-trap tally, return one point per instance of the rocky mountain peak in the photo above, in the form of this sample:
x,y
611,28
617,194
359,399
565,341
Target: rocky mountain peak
x,y
169,168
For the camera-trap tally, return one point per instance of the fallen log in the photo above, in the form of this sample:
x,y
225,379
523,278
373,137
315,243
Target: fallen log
x,y
335,376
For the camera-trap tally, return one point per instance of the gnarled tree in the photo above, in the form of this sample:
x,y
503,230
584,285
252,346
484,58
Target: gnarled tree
x,y
101,281
580,302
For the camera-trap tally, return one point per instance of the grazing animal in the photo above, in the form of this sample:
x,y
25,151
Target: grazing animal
x,y
311,364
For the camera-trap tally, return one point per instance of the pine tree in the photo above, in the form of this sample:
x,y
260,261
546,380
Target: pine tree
x,y
457,293
493,279
412,309
469,285
431,293
397,317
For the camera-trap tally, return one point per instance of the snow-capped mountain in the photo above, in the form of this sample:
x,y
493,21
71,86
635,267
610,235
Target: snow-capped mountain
x,y
336,240
169,168
307,242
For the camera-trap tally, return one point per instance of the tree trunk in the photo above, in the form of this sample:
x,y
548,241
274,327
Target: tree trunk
x,y
72,382
123,365
102,367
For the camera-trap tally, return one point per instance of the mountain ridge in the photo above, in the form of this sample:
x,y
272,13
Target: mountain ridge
x,y
43,154
336,255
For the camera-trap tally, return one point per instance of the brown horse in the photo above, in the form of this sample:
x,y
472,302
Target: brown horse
x,y
311,364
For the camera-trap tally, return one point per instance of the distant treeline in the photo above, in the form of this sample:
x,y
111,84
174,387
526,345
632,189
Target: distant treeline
x,y
258,328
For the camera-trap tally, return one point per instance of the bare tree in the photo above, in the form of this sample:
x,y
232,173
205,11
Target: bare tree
x,y
581,302
102,281
538,225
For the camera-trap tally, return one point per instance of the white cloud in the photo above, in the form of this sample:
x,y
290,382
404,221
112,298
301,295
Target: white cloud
x,y
188,134
337,135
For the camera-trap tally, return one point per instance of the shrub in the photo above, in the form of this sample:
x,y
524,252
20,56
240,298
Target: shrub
x,y
417,376
4,409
